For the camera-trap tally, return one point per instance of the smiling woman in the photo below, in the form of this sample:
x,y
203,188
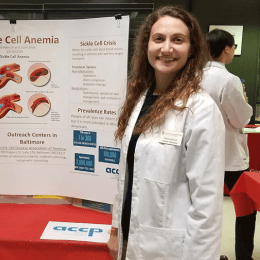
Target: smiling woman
x,y
168,49
171,171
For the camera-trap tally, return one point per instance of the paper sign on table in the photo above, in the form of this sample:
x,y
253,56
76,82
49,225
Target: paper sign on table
x,y
77,231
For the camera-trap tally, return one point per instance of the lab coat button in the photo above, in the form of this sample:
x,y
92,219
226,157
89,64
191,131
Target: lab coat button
x,y
132,230
136,156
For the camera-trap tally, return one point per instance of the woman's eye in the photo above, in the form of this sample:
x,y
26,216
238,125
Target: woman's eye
x,y
158,39
178,40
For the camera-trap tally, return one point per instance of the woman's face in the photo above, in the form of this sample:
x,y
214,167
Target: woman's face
x,y
230,54
168,46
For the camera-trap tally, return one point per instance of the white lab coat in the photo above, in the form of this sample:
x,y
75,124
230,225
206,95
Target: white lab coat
x,y
227,91
177,191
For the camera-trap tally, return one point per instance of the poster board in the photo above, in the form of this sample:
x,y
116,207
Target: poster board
x,y
62,83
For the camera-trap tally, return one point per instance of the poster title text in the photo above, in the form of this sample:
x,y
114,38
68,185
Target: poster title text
x,y
29,40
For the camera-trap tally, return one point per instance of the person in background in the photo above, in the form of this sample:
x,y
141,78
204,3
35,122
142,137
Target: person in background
x,y
171,172
227,91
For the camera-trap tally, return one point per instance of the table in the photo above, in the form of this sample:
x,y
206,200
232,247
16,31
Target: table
x,y
21,226
254,154
254,151
246,194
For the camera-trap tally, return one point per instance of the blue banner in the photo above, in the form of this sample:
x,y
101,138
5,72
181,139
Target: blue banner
x,y
84,138
85,162
109,154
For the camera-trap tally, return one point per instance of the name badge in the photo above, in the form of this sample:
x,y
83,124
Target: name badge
x,y
170,137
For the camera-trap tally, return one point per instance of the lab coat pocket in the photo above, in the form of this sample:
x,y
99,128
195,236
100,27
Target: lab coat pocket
x,y
161,243
153,203
162,162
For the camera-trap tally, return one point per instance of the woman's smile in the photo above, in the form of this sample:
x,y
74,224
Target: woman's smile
x,y
166,59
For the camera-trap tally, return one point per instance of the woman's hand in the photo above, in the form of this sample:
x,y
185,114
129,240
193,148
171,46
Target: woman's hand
x,y
112,244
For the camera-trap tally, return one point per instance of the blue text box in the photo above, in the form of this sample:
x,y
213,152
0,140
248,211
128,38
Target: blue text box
x,y
84,162
109,154
84,138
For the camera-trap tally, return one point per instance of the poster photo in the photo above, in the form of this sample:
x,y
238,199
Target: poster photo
x,y
236,31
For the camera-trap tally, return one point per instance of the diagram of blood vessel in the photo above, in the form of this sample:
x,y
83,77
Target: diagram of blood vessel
x,y
38,101
7,103
37,73
7,73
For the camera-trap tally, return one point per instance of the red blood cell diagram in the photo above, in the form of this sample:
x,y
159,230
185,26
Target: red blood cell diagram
x,y
38,101
39,74
7,73
39,104
7,103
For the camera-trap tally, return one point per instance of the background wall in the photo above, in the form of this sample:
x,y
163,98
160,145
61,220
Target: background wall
x,y
234,12
183,3
215,12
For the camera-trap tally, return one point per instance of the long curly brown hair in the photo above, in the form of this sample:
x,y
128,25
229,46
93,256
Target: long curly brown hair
x,y
142,75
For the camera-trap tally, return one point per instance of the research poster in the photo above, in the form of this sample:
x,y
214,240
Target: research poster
x,y
62,83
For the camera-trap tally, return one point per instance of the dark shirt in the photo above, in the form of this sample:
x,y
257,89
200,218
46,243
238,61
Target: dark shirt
x,y
149,101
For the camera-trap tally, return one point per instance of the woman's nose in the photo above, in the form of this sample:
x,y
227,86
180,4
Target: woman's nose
x,y
167,46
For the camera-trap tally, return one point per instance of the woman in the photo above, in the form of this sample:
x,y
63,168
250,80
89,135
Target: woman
x,y
170,187
227,91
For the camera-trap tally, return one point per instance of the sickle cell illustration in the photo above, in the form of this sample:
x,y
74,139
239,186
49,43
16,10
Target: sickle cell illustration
x,y
7,73
37,73
7,103
39,101
39,104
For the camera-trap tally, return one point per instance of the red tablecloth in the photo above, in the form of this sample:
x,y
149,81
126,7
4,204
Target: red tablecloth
x,y
246,194
254,154
254,151
21,227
